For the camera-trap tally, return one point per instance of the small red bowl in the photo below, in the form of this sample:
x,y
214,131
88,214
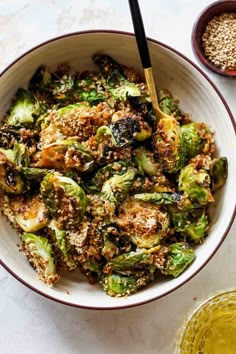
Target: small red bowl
x,y
215,9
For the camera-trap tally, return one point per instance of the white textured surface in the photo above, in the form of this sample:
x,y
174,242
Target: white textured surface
x,y
30,323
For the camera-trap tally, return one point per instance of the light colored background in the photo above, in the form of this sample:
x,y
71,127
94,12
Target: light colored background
x,y
30,323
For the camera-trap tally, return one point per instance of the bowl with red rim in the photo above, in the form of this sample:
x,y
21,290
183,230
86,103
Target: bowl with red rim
x,y
217,8
192,87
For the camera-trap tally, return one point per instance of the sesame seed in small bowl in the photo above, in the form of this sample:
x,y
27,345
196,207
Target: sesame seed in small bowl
x,y
214,38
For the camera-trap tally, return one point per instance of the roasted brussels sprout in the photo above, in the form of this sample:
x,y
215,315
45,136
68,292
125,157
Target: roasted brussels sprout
x,y
24,109
129,263
169,145
145,162
65,155
159,198
114,242
88,88
120,285
105,149
180,256
109,68
40,254
65,199
59,237
198,139
146,224
10,179
41,79
168,105
117,187
118,86
195,185
77,120
109,232
193,225
218,172
32,214
53,87
106,172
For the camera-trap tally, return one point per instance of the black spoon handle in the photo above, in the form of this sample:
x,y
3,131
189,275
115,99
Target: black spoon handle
x,y
140,33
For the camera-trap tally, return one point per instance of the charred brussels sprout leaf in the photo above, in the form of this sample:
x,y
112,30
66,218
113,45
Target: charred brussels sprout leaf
x,y
34,174
128,263
180,256
59,237
159,198
65,199
40,254
41,79
10,179
169,145
218,172
129,129
114,242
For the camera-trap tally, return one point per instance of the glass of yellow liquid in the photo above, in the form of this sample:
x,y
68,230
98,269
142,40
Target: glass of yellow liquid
x,y
210,327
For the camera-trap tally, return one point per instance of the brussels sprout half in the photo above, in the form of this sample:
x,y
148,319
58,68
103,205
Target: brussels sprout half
x,y
181,255
66,154
32,214
169,145
144,223
118,285
195,185
145,162
193,225
40,254
197,138
59,237
65,199
130,263
24,109
218,172
117,187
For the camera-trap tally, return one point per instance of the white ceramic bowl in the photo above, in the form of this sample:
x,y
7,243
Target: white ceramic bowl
x,y
197,95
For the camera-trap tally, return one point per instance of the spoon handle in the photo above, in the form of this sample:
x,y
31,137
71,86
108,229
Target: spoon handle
x,y
140,34
144,52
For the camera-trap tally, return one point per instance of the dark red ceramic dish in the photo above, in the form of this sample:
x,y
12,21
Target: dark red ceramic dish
x,y
215,9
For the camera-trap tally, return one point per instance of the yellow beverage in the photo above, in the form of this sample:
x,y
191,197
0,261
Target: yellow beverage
x,y
211,328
